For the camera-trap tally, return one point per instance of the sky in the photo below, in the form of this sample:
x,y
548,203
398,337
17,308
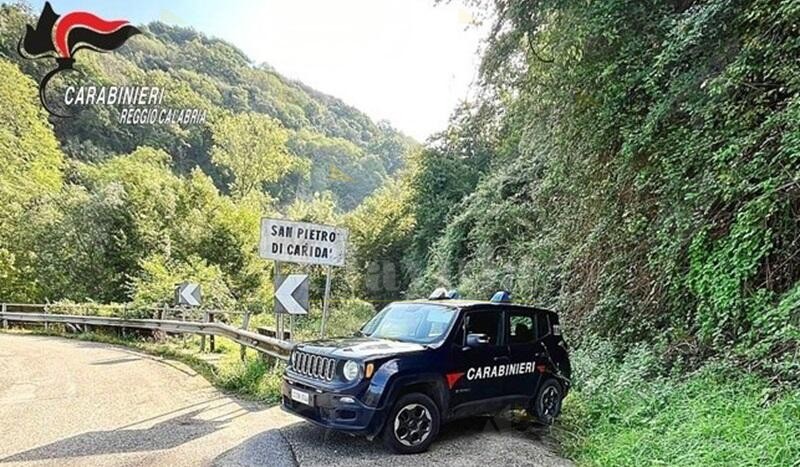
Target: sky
x,y
406,61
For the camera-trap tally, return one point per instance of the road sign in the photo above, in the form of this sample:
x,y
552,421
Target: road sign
x,y
292,295
302,242
187,293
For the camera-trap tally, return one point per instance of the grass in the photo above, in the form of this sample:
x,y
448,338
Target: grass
x,y
718,415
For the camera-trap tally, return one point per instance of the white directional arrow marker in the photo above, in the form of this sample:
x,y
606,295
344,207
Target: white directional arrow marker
x,y
285,291
187,294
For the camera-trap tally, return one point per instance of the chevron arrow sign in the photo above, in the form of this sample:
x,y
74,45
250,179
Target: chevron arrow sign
x,y
292,295
187,293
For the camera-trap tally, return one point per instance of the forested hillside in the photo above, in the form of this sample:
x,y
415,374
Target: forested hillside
x,y
97,210
347,153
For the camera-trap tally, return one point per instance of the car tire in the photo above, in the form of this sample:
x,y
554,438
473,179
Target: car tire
x,y
546,406
412,425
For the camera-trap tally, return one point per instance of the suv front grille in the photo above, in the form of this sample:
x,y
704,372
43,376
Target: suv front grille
x,y
315,366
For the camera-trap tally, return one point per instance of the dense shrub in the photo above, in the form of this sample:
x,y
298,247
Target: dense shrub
x,y
626,413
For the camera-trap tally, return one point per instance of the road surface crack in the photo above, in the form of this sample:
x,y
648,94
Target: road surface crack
x,y
295,462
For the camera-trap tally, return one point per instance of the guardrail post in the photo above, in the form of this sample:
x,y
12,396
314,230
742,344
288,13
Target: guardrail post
x,y
245,323
86,327
124,316
211,339
203,336
47,323
160,334
5,321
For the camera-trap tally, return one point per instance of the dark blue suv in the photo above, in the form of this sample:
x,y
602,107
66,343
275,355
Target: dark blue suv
x,y
417,364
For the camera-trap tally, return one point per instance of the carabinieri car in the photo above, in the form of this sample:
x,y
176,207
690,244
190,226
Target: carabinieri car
x,y
417,364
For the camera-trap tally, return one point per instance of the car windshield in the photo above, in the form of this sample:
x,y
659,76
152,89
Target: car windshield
x,y
411,322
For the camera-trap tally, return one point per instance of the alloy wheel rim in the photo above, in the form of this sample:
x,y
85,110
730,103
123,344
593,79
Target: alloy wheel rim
x,y
412,424
549,401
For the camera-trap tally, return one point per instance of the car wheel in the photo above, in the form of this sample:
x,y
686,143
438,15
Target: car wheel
x,y
547,404
412,424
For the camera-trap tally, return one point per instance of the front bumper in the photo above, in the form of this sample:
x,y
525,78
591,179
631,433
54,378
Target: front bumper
x,y
326,409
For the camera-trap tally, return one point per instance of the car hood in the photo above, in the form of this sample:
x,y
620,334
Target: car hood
x,y
359,348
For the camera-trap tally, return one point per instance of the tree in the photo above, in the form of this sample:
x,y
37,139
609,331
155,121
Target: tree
x,y
30,180
252,148
380,237
319,209
443,173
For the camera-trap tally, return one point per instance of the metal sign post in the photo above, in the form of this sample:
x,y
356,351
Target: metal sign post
x,y
325,301
276,284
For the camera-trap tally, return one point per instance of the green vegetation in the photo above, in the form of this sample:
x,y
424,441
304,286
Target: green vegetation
x,y
200,72
633,164
94,210
625,413
251,148
638,170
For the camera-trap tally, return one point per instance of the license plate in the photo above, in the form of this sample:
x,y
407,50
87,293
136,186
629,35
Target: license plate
x,y
300,396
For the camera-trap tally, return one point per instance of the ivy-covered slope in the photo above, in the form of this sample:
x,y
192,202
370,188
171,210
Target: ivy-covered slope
x,y
639,170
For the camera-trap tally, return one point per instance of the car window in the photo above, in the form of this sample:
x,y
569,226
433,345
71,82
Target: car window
x,y
411,322
487,322
521,328
543,324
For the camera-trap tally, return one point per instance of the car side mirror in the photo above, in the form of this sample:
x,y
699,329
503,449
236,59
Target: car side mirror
x,y
477,340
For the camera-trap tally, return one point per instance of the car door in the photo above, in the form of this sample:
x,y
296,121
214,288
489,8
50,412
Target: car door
x,y
522,333
473,384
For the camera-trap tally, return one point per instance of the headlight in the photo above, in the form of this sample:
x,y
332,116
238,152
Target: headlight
x,y
350,370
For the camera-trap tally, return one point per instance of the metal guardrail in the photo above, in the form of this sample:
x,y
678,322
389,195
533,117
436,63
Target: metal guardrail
x,y
267,345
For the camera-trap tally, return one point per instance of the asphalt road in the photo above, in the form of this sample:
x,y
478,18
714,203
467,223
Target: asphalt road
x,y
66,402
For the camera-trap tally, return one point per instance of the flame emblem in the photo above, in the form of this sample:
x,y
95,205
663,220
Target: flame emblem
x,y
60,37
